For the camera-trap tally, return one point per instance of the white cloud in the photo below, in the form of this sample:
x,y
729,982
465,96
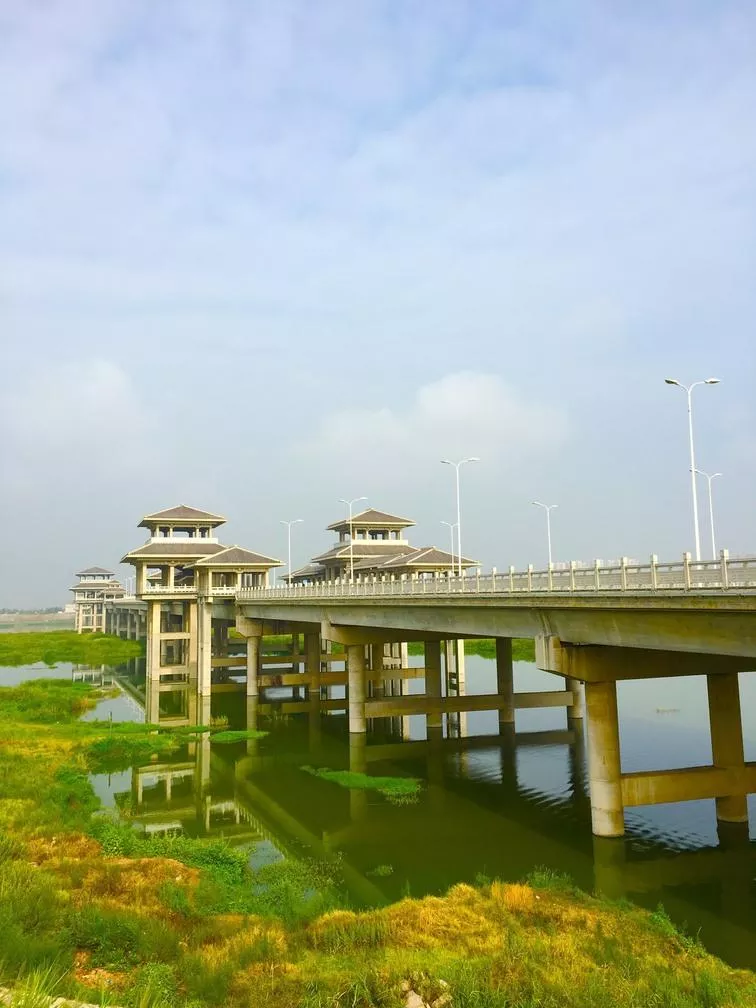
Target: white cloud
x,y
77,418
462,414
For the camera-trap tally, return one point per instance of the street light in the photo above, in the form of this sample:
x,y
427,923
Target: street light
x,y
709,478
349,504
459,518
548,509
452,526
688,389
288,524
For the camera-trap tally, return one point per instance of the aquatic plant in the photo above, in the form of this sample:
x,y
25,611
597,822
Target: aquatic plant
x,y
523,648
66,646
226,737
400,790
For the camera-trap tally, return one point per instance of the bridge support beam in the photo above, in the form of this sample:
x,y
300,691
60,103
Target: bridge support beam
x,y
356,687
505,681
604,772
726,728
434,718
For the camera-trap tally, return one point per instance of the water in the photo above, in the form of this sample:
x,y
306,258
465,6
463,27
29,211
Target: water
x,y
487,808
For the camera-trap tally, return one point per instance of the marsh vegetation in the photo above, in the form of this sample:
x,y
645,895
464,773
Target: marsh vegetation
x,y
91,909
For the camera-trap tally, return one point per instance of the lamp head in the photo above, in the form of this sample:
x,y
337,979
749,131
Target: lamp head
x,y
671,381
711,381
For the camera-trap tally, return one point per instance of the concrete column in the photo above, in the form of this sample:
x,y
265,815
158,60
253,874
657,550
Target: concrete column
x,y
358,797
505,680
607,815
726,728
204,648
434,719
168,787
153,641
312,665
356,679
253,666
575,709
377,666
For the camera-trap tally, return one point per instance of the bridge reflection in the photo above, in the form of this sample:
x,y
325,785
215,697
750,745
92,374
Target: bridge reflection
x,y
478,812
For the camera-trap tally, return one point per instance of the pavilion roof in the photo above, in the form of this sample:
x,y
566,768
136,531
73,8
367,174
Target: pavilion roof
x,y
189,548
237,556
181,513
94,570
363,548
425,557
370,516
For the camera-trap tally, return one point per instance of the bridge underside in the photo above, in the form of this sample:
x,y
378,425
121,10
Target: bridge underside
x,y
359,646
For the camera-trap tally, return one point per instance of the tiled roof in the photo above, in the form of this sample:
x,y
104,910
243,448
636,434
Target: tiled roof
x,y
94,570
190,548
363,548
182,512
237,556
426,557
372,517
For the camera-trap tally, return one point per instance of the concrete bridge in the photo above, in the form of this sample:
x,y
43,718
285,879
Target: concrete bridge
x,y
593,626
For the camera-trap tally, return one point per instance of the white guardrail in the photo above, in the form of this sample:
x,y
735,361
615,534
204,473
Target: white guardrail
x,y
723,575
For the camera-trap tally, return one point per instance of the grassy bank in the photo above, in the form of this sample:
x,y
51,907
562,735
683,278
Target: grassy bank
x,y
66,646
90,909
523,648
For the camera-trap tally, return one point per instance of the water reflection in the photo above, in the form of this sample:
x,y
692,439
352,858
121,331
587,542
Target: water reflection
x,y
493,803
499,805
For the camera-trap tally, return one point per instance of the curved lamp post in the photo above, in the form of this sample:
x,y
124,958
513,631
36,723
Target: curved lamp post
x,y
452,526
349,504
548,509
709,478
688,389
459,519
288,524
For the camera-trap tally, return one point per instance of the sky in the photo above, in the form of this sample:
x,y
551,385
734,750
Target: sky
x,y
256,257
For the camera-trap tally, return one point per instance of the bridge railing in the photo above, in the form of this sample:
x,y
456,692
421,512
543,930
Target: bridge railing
x,y
724,574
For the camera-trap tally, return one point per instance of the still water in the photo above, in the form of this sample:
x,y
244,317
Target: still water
x,y
488,807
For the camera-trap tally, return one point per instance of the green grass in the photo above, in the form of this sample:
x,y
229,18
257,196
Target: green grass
x,y
66,646
523,648
179,922
398,790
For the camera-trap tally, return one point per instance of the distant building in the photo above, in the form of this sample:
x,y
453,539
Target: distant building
x,y
96,587
374,544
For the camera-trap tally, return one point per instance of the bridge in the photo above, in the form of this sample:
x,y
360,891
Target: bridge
x,y
206,609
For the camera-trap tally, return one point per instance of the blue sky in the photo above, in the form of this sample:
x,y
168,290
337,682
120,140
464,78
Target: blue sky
x,y
256,257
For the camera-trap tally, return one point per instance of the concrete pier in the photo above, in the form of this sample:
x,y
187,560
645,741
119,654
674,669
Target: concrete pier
x,y
356,687
726,728
505,680
604,772
434,718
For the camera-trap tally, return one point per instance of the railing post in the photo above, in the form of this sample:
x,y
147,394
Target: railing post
x,y
551,578
511,578
686,570
477,580
530,577
623,572
654,562
573,565
724,556
493,579
597,575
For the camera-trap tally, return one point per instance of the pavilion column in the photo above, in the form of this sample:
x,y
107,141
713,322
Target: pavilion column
x,y
605,776
356,680
505,680
434,718
726,728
